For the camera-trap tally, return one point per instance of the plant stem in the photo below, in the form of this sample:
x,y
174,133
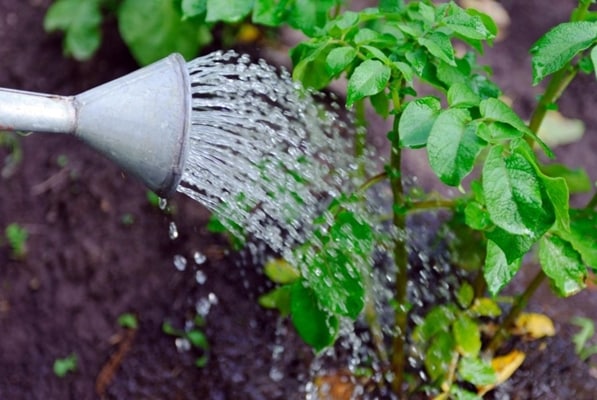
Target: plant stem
x,y
520,303
398,353
360,139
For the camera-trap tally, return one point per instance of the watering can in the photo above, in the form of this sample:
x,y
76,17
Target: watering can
x,y
140,121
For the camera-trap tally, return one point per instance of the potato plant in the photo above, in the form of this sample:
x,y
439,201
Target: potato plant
x,y
510,200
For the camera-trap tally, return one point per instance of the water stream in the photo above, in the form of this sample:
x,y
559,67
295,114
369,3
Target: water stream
x,y
263,155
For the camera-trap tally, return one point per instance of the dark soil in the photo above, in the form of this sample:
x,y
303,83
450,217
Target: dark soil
x,y
86,265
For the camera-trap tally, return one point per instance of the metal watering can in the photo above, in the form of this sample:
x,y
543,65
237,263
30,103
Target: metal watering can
x,y
140,121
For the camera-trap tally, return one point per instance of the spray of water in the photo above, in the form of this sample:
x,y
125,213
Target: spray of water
x,y
262,154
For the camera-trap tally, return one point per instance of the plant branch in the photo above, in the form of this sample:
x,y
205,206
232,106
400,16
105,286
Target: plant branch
x,y
398,353
520,303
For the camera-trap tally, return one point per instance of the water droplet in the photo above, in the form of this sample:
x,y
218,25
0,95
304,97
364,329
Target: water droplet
x,y
163,203
275,374
180,262
182,345
172,231
200,277
199,258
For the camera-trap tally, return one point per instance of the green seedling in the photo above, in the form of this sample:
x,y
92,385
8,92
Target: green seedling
x,y
66,365
128,321
10,141
17,236
193,337
584,349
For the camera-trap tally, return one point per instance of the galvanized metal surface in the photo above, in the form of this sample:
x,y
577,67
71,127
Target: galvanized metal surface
x,y
141,121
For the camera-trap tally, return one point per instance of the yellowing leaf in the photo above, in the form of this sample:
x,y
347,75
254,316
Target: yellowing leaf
x,y
534,326
504,366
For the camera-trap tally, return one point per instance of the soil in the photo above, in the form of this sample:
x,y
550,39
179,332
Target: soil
x,y
98,248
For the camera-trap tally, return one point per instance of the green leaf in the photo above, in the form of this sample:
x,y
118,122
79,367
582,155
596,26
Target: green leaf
x,y
498,272
381,104
497,110
369,78
278,298
558,46
557,191
309,15
467,336
467,24
128,320
578,180
476,371
63,366
515,246
460,95
513,193
439,355
416,121
465,295
153,29
391,6
562,264
316,326
193,8
310,65
268,12
228,10
339,58
435,322
280,271
495,132
453,145
81,22
583,225
458,393
334,272
485,307
439,45
476,216
198,339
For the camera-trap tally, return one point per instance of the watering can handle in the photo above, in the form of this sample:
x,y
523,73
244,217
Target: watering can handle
x,y
37,112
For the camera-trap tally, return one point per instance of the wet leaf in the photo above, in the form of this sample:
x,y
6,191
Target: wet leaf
x,y
583,225
562,264
594,59
280,271
439,45
496,110
557,191
453,146
309,61
558,46
467,24
513,194
198,339
80,20
476,216
460,95
369,78
467,336
465,295
495,132
278,298
227,11
339,58
476,371
435,321
416,121
498,271
504,366
534,326
316,326
153,29
458,393
193,8
439,355
485,307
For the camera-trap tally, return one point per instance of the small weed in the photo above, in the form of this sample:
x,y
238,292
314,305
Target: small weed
x,y
192,337
581,340
17,239
63,366
128,321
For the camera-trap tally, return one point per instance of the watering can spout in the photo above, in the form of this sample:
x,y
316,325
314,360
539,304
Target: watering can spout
x,y
140,121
